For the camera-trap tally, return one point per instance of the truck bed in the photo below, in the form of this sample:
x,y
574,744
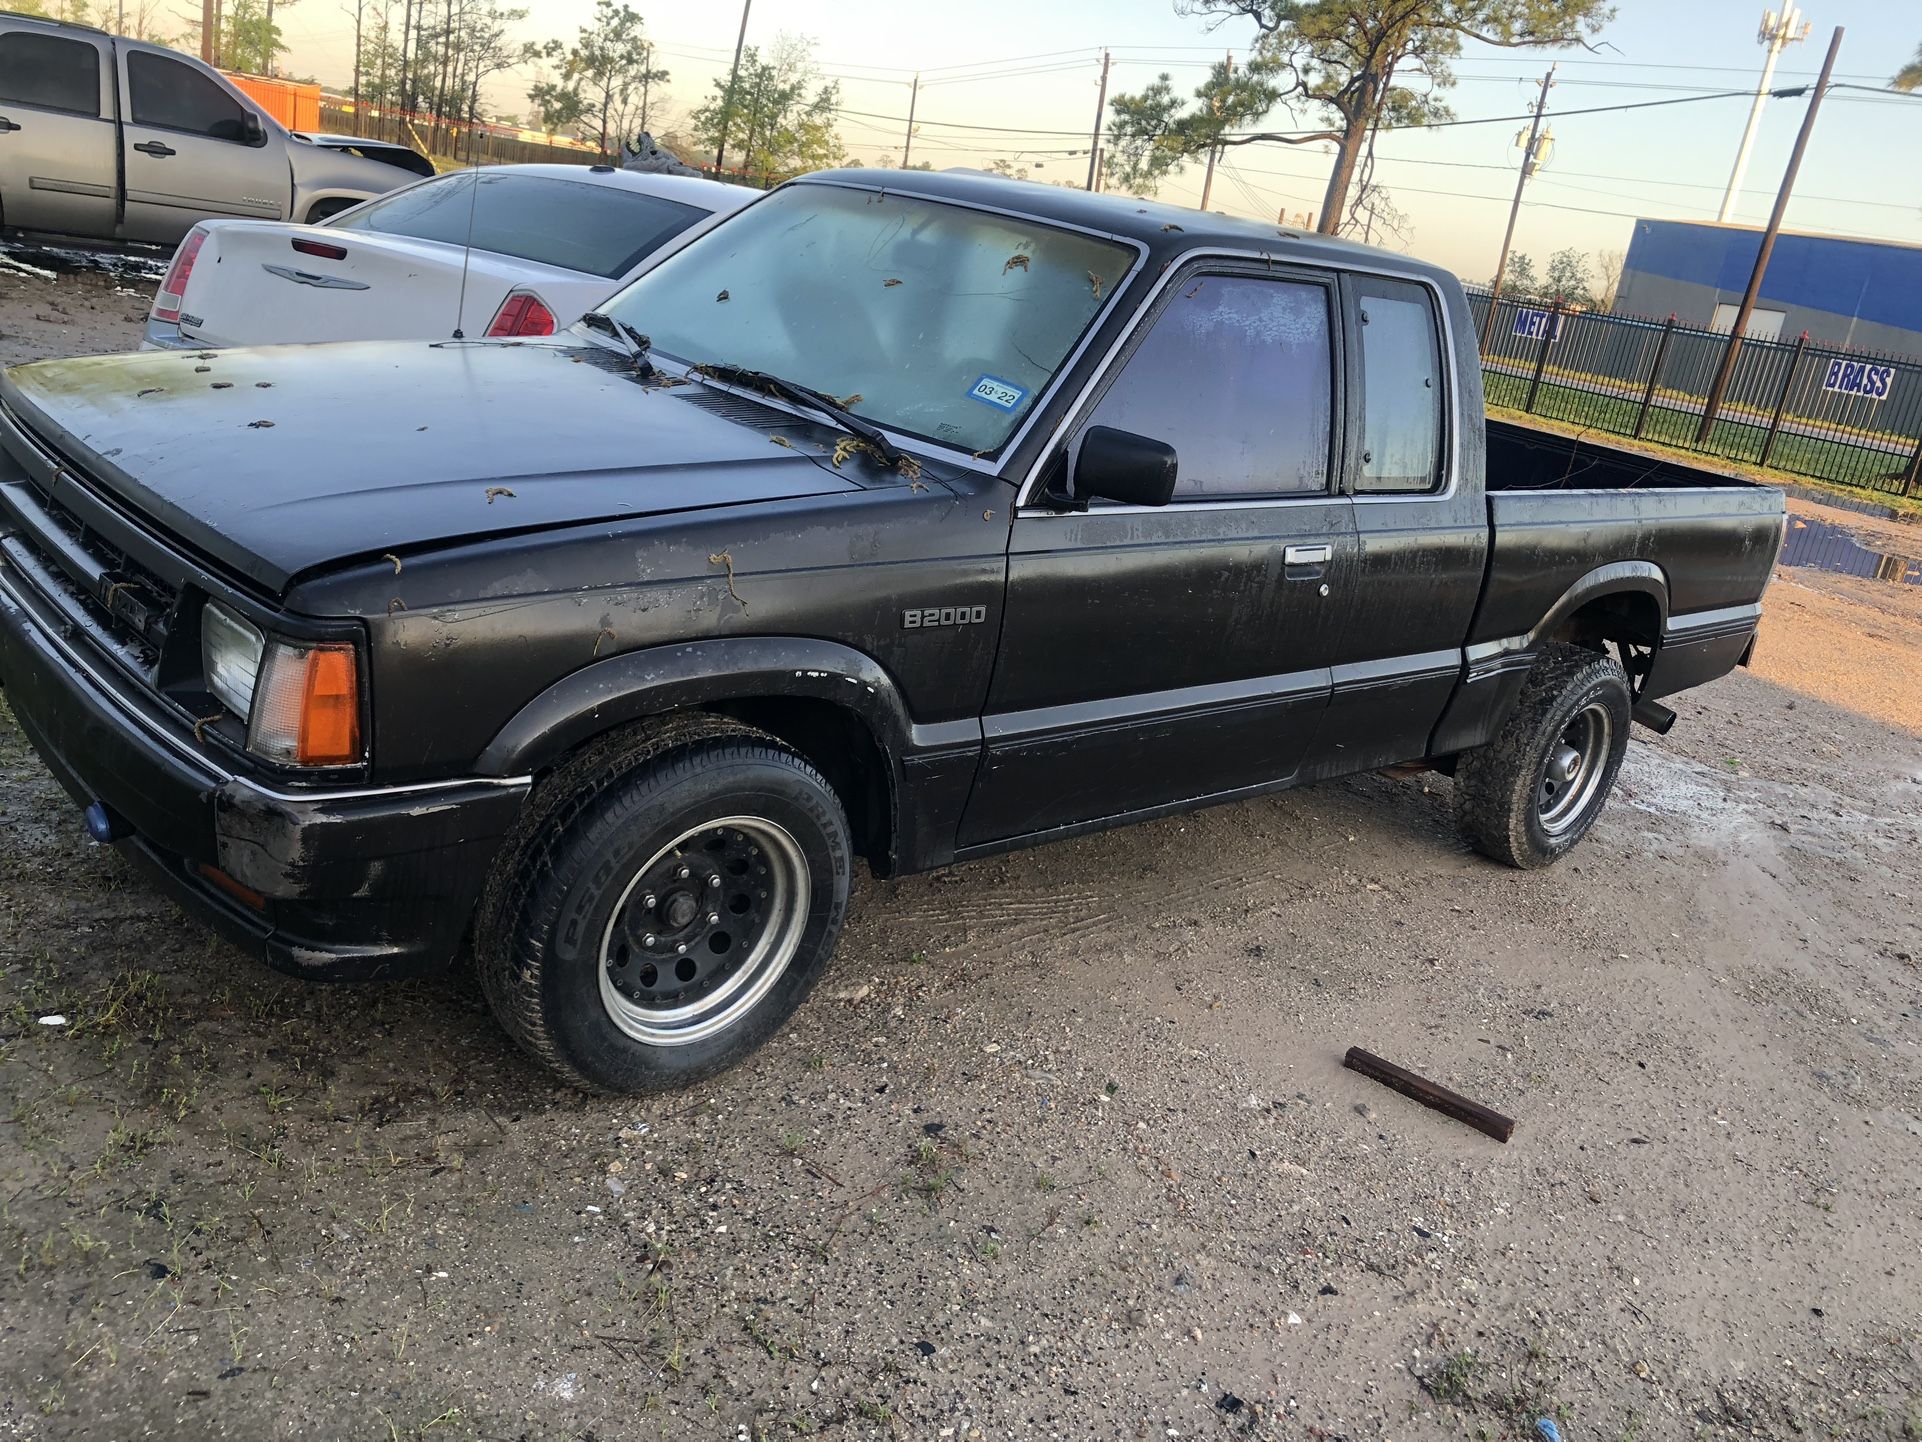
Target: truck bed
x,y
1702,545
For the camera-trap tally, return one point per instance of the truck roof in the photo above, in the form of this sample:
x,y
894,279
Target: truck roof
x,y
50,21
1168,231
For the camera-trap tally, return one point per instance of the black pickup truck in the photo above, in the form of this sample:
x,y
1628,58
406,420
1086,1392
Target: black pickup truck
x,y
912,518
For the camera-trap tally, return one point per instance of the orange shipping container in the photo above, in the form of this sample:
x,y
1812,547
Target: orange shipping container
x,y
294,105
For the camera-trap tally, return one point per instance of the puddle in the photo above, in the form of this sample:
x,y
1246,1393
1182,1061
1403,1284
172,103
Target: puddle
x,y
134,263
1823,546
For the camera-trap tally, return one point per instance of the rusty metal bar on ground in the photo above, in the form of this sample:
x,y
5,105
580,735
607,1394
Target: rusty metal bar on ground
x,y
1429,1094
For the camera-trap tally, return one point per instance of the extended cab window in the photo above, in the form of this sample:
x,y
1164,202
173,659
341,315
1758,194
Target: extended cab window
x,y
49,71
1236,373
1401,387
172,96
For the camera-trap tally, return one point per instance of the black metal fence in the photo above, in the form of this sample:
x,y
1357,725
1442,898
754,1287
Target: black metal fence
x,y
1846,416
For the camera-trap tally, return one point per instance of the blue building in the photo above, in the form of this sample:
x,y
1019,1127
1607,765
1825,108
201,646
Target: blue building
x,y
1865,294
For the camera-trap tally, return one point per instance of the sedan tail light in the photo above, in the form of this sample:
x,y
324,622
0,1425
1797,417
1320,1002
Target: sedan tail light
x,y
522,313
324,249
173,290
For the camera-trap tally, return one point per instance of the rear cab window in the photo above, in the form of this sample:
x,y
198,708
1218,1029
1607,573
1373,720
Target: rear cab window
x,y
49,72
600,230
1402,391
1236,372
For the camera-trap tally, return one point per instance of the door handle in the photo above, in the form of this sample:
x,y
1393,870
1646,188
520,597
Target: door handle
x,y
1308,555
154,148
6,125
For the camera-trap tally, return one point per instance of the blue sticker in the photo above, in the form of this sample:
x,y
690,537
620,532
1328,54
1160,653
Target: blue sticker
x,y
993,391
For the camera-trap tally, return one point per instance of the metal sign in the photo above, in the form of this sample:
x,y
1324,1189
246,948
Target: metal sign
x,y
1533,325
1858,378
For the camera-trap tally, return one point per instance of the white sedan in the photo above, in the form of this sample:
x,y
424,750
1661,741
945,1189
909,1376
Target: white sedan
x,y
514,250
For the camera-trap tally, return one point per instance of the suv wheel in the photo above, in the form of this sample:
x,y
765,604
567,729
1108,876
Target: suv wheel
x,y
674,896
1532,791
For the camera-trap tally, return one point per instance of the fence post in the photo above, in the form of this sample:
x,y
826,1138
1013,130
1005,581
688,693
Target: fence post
x,y
1541,354
1782,401
1655,374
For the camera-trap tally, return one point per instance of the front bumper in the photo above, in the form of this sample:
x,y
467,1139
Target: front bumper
x,y
335,885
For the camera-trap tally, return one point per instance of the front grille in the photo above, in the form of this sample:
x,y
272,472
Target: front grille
x,y
122,598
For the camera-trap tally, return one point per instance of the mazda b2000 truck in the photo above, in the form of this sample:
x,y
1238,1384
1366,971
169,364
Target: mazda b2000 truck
x,y
910,518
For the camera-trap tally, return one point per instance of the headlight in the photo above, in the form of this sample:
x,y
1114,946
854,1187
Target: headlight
x,y
307,712
300,700
230,652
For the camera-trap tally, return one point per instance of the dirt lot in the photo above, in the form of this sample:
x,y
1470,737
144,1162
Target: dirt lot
x,y
1062,1148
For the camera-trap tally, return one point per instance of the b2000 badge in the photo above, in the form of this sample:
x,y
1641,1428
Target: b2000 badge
x,y
923,617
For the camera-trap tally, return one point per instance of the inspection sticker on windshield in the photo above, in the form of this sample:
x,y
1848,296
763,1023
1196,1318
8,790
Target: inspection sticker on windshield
x,y
993,391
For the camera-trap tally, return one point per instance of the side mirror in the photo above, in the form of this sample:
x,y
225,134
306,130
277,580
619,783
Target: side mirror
x,y
252,130
1122,466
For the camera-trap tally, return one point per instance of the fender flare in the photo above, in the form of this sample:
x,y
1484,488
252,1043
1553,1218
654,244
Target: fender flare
x,y
660,679
1616,578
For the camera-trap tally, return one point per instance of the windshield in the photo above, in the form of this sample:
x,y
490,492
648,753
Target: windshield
x,y
931,319
597,229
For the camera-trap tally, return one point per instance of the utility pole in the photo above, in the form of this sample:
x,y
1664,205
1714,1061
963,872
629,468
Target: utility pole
x,y
1531,157
907,142
1100,108
733,77
206,32
1719,391
1208,177
359,7
1777,33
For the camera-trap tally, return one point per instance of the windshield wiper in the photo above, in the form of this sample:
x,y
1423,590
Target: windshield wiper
x,y
806,396
637,344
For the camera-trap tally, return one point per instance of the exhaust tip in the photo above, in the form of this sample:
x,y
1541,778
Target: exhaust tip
x,y
1654,715
105,824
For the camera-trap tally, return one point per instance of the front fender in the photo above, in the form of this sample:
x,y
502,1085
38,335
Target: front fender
x,y
323,174
661,679
930,766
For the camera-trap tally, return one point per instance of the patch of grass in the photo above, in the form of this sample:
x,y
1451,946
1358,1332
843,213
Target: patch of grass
x,y
1454,1382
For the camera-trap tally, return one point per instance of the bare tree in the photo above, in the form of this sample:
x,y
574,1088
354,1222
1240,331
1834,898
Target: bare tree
x,y
1349,61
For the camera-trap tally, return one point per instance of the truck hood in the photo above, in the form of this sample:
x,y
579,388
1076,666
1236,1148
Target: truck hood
x,y
283,459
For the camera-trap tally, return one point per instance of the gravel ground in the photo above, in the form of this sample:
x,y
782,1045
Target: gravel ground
x,y
1062,1148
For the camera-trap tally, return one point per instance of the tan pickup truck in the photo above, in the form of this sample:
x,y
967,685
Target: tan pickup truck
x,y
117,139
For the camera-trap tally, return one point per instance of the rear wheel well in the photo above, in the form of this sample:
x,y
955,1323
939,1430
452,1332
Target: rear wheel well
x,y
1632,620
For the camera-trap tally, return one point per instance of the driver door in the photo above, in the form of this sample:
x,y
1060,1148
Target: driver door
x,y
1155,656
192,152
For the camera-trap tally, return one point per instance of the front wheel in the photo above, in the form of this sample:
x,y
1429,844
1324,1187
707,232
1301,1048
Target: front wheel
x,y
673,899
1532,791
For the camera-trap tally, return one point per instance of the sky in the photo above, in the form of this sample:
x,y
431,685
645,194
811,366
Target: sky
x,y
1020,82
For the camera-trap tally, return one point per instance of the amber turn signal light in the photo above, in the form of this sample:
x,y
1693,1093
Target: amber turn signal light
x,y
307,707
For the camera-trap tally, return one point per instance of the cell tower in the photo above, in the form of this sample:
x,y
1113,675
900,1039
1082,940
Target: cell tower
x,y
1778,32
